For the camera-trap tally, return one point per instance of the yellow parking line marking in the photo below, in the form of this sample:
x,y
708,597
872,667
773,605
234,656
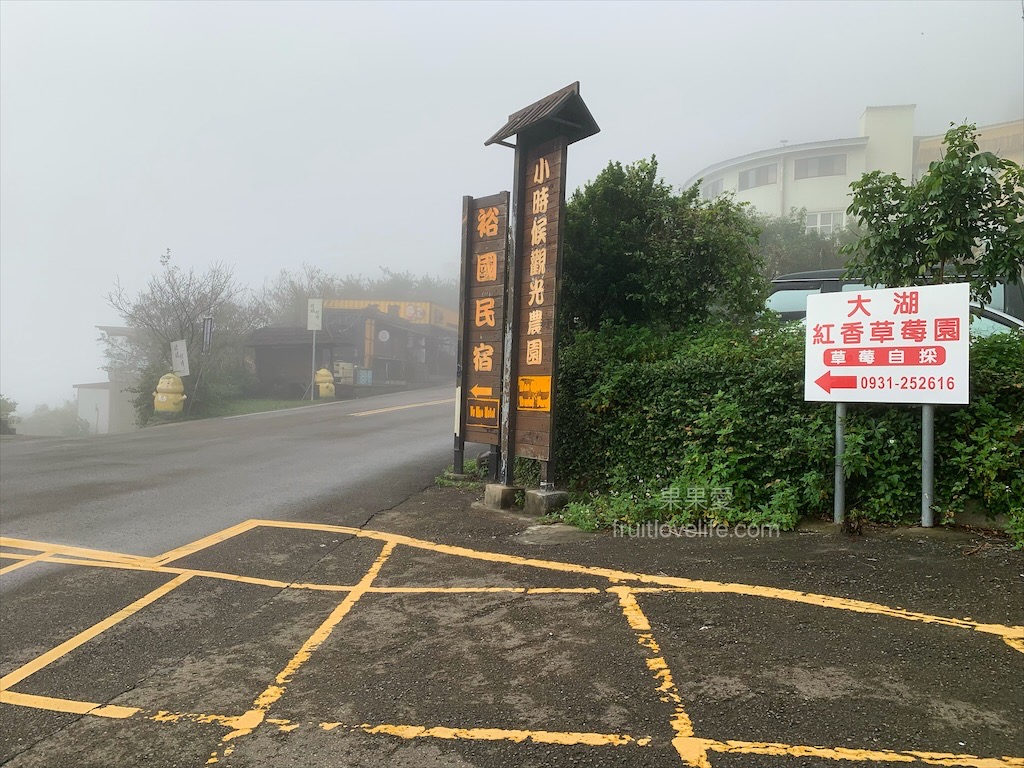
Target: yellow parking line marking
x,y
495,734
23,560
485,590
403,407
690,753
91,554
1014,633
277,584
250,720
693,751
858,755
66,705
85,636
1013,636
204,543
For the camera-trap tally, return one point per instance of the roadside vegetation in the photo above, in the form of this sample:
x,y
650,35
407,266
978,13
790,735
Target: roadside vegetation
x,y
222,381
711,424
680,400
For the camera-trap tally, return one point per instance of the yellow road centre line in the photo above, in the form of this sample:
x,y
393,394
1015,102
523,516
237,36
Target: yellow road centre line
x,y
403,407
85,636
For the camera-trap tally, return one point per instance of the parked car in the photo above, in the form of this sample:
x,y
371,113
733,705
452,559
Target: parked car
x,y
789,298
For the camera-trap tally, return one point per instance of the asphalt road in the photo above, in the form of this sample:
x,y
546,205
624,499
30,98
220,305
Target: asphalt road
x,y
152,490
228,608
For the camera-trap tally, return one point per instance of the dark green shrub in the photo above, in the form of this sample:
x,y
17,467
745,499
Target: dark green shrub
x,y
652,424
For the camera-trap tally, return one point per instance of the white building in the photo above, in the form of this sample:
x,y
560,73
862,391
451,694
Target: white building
x,y
107,405
816,176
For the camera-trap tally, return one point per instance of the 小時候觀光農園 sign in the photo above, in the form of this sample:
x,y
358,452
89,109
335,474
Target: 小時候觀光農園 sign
x,y
890,345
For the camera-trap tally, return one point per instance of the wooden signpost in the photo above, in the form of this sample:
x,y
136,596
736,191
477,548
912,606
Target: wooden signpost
x,y
528,345
481,321
537,297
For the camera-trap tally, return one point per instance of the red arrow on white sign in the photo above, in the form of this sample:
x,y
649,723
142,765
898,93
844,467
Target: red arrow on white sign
x,y
828,382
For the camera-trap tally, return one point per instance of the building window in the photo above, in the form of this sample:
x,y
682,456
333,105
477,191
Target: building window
x,y
824,223
824,165
757,177
714,189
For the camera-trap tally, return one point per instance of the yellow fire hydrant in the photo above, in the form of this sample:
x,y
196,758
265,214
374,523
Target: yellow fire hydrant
x,y
324,381
169,396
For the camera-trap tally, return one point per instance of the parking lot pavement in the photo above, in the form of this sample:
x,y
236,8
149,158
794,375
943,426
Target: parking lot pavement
x,y
445,635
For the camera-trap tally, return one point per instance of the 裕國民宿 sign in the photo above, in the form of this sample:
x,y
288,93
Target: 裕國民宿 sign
x,y
892,345
484,249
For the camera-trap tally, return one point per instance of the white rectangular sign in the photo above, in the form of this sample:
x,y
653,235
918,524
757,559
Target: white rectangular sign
x,y
315,315
891,345
179,357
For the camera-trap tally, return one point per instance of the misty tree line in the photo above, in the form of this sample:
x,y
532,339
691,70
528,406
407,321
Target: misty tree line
x,y
175,302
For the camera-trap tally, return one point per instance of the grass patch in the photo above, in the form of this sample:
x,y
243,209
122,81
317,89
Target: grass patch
x,y
470,467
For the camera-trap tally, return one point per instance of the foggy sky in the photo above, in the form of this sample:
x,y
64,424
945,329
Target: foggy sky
x,y
343,135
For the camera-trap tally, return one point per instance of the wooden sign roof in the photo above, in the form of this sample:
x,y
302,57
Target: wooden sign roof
x,y
560,113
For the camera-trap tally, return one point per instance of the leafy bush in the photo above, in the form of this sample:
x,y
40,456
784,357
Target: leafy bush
x,y
711,423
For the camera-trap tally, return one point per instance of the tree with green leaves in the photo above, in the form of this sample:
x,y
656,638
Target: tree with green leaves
x,y
7,409
962,220
786,245
173,306
637,252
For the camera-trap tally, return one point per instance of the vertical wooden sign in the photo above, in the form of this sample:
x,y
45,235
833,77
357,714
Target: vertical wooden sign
x,y
543,132
482,317
538,281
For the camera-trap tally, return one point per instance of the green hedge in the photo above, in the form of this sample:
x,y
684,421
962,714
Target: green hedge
x,y
711,424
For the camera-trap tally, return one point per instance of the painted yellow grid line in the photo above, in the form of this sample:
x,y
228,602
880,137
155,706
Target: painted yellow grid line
x,y
859,755
1006,633
407,731
24,671
67,705
247,722
24,560
517,736
277,584
62,549
691,754
693,750
203,543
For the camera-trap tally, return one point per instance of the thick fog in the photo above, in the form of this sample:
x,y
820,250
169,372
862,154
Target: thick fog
x,y
343,135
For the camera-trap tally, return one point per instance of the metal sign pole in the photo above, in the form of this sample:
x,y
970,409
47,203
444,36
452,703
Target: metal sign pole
x,y
312,375
839,505
927,464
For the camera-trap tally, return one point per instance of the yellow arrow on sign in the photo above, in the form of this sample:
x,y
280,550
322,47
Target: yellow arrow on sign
x,y
478,391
